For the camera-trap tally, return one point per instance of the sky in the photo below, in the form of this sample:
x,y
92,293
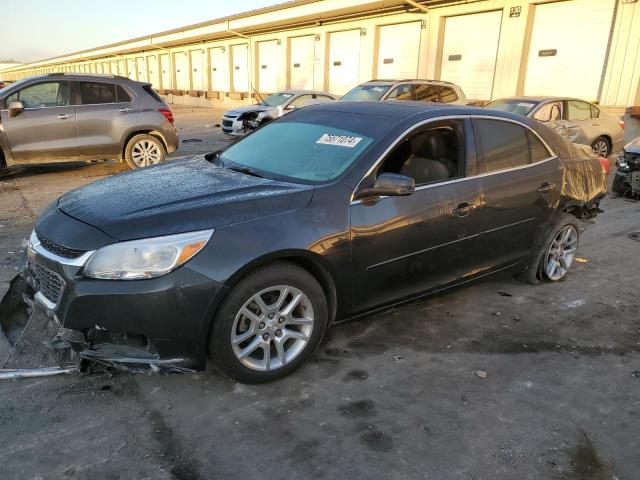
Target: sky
x,y
38,29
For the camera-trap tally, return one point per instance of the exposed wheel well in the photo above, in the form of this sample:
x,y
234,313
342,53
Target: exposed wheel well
x,y
3,159
154,133
315,268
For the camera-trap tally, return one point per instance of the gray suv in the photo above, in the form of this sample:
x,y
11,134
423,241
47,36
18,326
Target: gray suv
x,y
63,117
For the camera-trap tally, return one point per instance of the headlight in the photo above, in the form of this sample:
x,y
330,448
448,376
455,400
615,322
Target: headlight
x,y
146,258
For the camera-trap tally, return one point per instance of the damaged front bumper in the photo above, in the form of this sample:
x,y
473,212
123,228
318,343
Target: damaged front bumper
x,y
159,324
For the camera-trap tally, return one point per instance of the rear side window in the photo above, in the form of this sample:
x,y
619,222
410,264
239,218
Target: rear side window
x,y
153,93
435,93
538,151
401,92
578,110
92,93
501,145
595,113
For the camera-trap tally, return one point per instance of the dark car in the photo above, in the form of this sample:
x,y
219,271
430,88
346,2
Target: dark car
x,y
626,178
327,213
62,117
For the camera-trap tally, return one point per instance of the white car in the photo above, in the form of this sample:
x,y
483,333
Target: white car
x,y
240,121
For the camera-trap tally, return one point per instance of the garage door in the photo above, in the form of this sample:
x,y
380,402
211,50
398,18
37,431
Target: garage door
x,y
239,56
344,61
196,69
398,51
131,68
219,65
301,67
114,67
141,68
567,57
181,62
165,71
268,66
469,52
154,74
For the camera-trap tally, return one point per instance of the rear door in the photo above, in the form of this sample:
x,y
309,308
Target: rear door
x,y
105,112
521,182
46,129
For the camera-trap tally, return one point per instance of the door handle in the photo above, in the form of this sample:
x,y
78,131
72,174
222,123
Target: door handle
x,y
546,187
64,116
125,109
463,209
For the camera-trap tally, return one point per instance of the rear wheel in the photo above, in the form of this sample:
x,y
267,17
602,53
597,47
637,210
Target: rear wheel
x,y
601,147
144,150
554,252
269,324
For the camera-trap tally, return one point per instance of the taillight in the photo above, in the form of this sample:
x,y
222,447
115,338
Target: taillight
x,y
605,164
168,114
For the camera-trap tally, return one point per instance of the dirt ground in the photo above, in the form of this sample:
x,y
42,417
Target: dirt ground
x,y
397,395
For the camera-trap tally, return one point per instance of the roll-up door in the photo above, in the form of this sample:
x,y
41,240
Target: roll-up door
x,y
344,61
141,69
181,62
154,74
398,51
131,69
219,64
239,58
268,66
568,48
165,71
469,52
302,62
196,70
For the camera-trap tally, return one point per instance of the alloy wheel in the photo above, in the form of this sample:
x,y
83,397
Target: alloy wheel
x,y
272,328
601,147
561,253
145,153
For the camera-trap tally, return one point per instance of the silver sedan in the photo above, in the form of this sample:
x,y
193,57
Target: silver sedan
x,y
576,120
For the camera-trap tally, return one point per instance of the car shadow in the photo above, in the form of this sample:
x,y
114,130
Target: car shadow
x,y
27,170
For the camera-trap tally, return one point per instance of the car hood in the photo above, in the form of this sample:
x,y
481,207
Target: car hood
x,y
179,196
250,108
633,146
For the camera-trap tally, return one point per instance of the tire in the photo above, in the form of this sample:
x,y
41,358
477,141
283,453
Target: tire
x,y
144,150
243,331
601,146
536,271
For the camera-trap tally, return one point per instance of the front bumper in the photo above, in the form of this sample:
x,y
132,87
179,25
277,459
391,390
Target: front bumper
x,y
233,126
172,312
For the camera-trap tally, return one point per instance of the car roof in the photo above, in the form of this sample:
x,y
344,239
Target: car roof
x,y
541,98
406,80
398,109
82,76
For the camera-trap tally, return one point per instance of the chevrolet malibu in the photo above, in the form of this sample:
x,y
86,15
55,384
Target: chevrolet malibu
x,y
249,254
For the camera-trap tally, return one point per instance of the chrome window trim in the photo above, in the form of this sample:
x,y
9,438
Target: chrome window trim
x,y
377,163
35,245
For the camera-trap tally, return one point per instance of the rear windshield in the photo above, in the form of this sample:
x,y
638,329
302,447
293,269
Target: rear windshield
x,y
153,93
298,151
519,107
365,93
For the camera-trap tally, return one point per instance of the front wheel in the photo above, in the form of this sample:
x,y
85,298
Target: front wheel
x,y
144,150
269,324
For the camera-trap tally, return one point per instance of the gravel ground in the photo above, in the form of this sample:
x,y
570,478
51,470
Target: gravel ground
x,y
498,380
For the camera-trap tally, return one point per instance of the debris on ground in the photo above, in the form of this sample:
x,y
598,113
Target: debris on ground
x,y
191,140
399,358
481,373
504,294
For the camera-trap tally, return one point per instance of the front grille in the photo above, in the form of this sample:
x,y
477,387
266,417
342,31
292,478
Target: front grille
x,y
49,283
60,250
227,123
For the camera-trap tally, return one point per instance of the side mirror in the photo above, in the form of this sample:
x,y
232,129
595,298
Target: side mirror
x,y
15,108
389,185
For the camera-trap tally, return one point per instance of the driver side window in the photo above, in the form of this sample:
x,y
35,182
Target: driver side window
x,y
40,95
432,154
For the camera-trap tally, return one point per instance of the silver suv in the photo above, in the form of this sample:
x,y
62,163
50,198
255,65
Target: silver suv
x,y
411,89
63,117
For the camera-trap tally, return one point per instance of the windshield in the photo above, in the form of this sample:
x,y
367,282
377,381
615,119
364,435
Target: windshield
x,y
299,151
519,107
365,93
276,99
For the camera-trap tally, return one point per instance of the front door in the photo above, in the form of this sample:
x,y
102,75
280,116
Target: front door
x,y
46,129
402,246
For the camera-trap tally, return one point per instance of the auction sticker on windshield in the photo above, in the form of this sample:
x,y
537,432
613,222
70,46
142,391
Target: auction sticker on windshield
x,y
339,140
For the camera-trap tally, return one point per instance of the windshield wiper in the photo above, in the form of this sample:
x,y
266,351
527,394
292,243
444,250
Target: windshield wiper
x,y
246,171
